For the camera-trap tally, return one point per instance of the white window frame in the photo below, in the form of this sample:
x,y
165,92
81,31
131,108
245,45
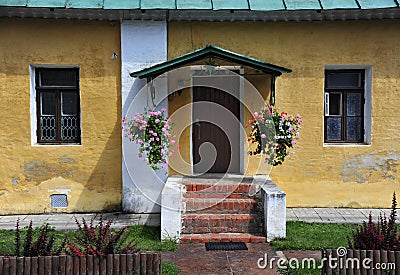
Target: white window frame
x,y
33,104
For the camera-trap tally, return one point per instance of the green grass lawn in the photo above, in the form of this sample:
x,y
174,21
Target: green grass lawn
x,y
314,236
147,239
169,269
301,271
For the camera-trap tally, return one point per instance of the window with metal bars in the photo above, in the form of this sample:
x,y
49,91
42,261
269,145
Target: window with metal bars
x,y
58,105
344,106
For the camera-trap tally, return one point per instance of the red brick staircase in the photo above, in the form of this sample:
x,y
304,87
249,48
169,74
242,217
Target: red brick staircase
x,y
224,211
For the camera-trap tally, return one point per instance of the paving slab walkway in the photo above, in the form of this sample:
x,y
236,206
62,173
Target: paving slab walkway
x,y
334,215
194,259
66,221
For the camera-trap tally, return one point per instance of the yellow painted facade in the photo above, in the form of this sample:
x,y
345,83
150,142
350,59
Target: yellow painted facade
x,y
89,173
317,174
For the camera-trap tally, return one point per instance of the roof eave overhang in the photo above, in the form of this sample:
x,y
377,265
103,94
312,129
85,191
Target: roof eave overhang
x,y
210,52
199,15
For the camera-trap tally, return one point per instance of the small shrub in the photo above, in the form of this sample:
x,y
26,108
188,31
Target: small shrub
x,y
100,239
382,235
43,245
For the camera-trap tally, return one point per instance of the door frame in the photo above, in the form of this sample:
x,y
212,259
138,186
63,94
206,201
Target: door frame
x,y
241,116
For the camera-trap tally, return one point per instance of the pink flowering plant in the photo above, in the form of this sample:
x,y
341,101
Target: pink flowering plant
x,y
151,130
274,133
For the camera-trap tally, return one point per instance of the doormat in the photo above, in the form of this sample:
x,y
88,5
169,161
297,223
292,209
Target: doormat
x,y
227,246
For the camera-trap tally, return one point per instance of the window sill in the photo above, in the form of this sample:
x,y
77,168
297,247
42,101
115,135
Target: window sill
x,y
346,144
56,144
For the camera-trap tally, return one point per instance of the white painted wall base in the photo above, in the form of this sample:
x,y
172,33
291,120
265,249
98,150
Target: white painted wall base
x,y
171,208
274,207
143,44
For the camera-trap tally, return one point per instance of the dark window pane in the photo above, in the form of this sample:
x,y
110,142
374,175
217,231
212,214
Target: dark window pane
x,y
334,128
354,128
353,104
69,103
58,78
48,103
334,104
342,80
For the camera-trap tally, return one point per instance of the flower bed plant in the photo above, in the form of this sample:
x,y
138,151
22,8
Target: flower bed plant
x,y
274,133
382,235
43,245
151,130
372,246
100,240
95,249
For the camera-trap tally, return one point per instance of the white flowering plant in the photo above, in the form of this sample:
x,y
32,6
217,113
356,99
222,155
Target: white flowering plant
x,y
151,130
274,133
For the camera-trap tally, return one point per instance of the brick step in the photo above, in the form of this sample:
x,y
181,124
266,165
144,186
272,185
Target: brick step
x,y
225,206
222,237
204,230
218,223
241,188
203,195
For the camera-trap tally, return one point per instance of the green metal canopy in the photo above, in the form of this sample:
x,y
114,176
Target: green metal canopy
x,y
207,52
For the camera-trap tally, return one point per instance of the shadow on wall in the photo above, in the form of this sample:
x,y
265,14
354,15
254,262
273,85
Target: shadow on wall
x,y
100,181
141,187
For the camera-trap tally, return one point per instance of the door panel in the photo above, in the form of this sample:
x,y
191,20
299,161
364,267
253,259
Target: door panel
x,y
216,131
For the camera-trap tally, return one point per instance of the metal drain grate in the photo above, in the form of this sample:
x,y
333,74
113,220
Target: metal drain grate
x,y
226,246
58,201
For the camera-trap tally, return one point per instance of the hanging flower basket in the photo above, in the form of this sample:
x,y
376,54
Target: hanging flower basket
x,y
274,133
151,131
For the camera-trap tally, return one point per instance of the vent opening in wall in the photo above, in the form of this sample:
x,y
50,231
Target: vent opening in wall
x,y
58,201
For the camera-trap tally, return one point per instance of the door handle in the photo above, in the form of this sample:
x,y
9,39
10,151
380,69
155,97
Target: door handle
x,y
198,130
197,124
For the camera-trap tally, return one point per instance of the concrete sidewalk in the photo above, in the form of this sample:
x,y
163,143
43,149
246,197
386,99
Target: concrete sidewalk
x,y
334,215
64,221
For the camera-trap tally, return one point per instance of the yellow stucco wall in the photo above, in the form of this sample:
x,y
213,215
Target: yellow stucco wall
x,y
180,161
91,172
318,175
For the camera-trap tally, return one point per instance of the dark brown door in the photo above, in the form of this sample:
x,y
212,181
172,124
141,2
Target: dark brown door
x,y
216,121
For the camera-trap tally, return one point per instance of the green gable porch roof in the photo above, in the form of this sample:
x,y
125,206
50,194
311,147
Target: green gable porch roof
x,y
252,5
209,52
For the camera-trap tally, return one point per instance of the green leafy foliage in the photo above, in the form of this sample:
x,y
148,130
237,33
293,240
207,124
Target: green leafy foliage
x,y
274,133
151,131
